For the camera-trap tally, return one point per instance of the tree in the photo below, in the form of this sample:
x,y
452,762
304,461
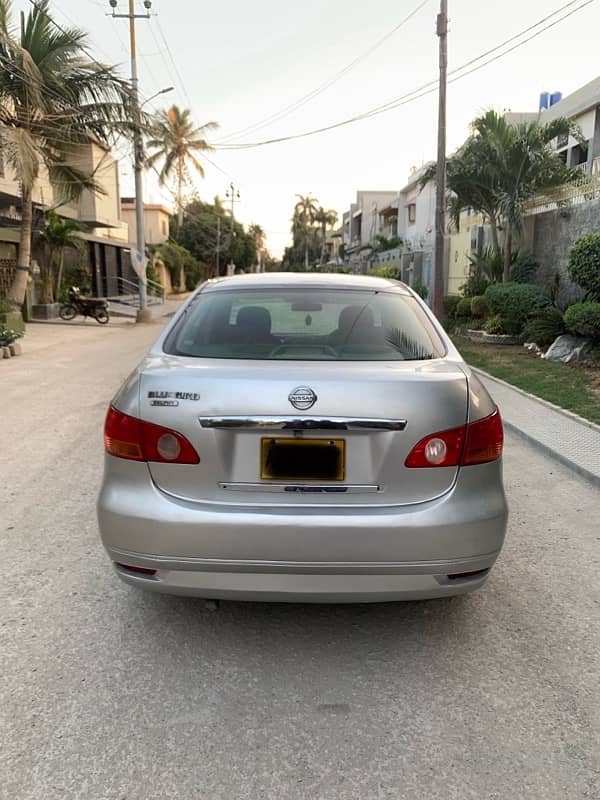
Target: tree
x,y
199,235
175,142
53,100
304,217
500,167
259,237
325,218
58,236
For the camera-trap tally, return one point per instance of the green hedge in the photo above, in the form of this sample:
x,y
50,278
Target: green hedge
x,y
584,264
463,309
583,319
544,327
514,303
479,306
451,302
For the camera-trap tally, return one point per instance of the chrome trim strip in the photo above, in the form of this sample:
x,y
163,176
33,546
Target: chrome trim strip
x,y
303,423
301,488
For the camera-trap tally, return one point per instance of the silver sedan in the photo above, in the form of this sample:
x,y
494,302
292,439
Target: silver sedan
x,y
303,437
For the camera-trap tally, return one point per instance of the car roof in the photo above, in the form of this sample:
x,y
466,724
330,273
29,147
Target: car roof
x,y
292,280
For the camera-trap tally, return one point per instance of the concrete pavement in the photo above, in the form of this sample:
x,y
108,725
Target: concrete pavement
x,y
109,694
565,436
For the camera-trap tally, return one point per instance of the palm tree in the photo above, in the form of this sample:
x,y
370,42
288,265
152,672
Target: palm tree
x,y
53,100
305,211
58,236
325,218
176,141
499,168
259,236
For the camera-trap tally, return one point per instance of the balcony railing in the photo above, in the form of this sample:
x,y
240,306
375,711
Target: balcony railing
x,y
580,191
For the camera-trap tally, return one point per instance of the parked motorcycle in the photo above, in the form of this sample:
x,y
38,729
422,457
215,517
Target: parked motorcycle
x,y
86,306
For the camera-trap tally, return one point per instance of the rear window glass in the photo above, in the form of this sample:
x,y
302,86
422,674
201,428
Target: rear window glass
x,y
306,325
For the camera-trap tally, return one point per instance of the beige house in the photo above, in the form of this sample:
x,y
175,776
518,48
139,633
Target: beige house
x,y
105,233
156,221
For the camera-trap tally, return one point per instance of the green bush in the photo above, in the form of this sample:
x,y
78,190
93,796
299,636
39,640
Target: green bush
x,y
420,288
544,327
583,319
584,265
495,325
524,269
451,302
479,306
463,309
514,303
385,271
5,307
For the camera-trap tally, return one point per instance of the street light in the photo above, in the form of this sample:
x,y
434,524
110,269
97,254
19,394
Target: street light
x,y
154,96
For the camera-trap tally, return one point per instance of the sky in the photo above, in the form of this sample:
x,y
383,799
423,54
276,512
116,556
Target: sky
x,y
239,63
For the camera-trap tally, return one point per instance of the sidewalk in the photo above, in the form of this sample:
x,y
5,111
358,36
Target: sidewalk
x,y
563,435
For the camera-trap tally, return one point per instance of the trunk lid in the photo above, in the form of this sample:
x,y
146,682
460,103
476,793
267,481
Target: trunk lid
x,y
177,392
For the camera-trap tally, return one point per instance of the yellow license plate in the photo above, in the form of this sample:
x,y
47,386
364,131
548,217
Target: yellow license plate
x,y
312,460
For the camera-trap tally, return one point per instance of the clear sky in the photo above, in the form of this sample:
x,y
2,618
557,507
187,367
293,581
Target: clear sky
x,y
238,62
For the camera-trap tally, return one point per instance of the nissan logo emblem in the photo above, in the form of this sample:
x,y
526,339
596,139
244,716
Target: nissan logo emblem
x,y
302,398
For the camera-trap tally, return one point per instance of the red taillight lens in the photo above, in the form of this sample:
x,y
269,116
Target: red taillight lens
x,y
428,452
477,443
485,440
134,439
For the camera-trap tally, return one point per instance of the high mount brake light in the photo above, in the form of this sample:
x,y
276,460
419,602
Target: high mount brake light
x,y
136,440
477,443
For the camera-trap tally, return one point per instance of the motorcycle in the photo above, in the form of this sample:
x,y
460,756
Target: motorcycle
x,y
86,306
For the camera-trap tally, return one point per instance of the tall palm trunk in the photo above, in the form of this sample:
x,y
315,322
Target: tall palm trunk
x,y
324,234
179,192
16,296
507,253
61,265
494,233
306,251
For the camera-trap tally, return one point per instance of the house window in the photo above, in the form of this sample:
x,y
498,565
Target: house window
x,y
562,141
412,213
164,228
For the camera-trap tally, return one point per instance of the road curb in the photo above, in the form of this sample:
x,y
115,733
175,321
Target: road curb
x,y
548,451
592,477
569,414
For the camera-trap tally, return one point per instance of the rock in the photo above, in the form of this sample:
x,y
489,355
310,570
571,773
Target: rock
x,y
5,352
15,349
569,349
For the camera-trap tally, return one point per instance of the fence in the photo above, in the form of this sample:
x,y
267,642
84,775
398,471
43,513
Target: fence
x,y
8,269
580,191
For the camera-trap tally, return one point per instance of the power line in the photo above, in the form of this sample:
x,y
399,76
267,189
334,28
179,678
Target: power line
x,y
427,88
175,67
334,79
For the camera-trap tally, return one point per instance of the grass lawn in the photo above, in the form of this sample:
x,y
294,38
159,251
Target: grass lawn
x,y
572,387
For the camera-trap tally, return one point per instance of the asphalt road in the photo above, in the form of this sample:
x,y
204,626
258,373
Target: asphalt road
x,y
110,694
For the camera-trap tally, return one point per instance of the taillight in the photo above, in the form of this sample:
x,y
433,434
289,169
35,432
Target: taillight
x,y
137,440
485,440
476,443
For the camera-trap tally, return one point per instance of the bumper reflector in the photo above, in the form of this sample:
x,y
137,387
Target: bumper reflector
x,y
136,570
461,576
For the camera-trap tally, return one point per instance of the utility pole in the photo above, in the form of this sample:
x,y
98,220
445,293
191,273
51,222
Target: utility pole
x,y
218,245
233,195
143,314
440,199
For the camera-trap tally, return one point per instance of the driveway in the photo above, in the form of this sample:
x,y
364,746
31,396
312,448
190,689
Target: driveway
x,y
110,694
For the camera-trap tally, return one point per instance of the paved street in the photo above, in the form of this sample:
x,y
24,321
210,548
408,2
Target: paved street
x,y
109,694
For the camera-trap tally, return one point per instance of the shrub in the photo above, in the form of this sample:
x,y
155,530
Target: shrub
x,y
514,303
479,306
584,319
544,327
5,307
524,269
420,288
451,302
463,309
584,265
495,325
386,271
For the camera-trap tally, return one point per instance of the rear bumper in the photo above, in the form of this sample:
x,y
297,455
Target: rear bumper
x,y
285,583
344,554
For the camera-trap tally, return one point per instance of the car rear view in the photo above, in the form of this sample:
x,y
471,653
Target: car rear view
x,y
303,437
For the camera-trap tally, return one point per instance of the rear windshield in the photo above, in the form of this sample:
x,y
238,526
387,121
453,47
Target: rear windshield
x,y
306,325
